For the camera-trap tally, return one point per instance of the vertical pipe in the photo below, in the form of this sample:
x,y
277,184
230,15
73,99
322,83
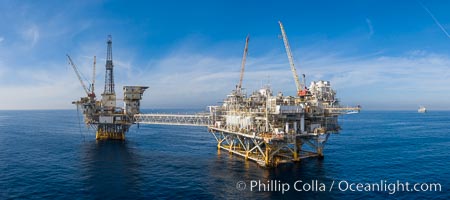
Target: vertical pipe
x,y
267,113
302,123
295,127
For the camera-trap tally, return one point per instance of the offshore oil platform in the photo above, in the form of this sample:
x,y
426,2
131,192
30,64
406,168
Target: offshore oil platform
x,y
109,121
263,127
266,128
272,129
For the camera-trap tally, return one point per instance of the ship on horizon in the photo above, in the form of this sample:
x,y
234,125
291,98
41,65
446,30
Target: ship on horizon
x,y
422,109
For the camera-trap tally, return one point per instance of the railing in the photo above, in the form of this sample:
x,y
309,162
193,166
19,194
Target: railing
x,y
344,110
202,119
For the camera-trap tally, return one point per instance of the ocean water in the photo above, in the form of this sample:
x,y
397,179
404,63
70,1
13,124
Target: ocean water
x,y
48,155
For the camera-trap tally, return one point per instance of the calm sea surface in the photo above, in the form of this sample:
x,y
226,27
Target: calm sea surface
x,y
48,155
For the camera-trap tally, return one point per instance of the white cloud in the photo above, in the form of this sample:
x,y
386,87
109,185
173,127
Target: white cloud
x,y
31,35
49,87
369,24
2,71
189,80
48,96
1,39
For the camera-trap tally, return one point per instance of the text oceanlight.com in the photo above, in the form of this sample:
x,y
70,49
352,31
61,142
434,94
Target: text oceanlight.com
x,y
341,185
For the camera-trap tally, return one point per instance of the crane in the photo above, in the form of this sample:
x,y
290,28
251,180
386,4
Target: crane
x,y
79,76
244,58
300,91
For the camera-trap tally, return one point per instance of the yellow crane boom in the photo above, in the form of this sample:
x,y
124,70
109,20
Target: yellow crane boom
x,y
244,58
291,60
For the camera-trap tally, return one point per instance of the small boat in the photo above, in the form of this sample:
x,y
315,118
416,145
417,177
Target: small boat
x,y
422,109
352,112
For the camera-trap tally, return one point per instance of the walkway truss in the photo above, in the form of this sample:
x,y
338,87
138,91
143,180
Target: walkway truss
x,y
174,119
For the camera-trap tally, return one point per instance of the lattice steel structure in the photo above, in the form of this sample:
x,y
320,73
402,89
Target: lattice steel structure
x,y
109,75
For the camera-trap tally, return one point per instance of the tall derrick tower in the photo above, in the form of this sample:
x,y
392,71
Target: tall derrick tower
x,y
109,95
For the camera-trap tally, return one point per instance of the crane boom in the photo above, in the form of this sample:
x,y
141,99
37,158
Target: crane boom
x,y
244,58
291,59
78,74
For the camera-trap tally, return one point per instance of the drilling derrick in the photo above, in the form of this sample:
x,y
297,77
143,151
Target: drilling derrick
x,y
109,96
109,121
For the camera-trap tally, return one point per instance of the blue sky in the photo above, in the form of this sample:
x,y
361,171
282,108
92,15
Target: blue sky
x,y
379,54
